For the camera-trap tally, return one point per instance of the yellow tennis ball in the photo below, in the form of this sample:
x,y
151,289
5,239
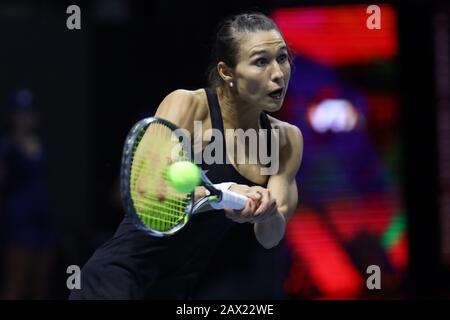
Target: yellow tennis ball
x,y
183,176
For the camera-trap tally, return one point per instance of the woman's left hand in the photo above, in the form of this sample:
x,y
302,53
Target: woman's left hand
x,y
262,207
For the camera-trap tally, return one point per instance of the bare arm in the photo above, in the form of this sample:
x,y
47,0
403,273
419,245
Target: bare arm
x,y
283,190
181,107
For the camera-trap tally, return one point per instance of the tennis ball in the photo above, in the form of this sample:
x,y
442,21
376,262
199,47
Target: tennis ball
x,y
183,176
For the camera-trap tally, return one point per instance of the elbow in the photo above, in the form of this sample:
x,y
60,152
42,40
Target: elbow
x,y
269,245
270,233
270,242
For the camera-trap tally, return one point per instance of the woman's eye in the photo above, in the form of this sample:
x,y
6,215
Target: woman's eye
x,y
261,62
282,58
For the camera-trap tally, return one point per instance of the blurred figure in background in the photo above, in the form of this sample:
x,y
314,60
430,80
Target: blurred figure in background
x,y
27,231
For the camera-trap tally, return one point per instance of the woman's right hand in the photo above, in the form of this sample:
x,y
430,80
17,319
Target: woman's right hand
x,y
247,214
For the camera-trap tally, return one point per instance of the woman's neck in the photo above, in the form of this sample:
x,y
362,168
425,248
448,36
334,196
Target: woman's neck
x,y
235,112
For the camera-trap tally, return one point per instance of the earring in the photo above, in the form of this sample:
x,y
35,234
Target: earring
x,y
231,84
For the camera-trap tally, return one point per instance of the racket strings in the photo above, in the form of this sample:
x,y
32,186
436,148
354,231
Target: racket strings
x,y
159,206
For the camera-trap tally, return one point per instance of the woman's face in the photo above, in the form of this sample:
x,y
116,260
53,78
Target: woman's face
x,y
262,72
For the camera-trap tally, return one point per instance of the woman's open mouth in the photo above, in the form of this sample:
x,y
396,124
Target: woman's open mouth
x,y
276,94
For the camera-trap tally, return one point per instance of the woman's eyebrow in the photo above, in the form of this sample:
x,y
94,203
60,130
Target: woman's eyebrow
x,y
255,52
261,51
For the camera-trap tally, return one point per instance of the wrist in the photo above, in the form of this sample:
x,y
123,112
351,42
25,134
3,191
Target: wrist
x,y
224,186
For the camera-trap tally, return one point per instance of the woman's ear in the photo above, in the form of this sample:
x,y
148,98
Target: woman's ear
x,y
225,72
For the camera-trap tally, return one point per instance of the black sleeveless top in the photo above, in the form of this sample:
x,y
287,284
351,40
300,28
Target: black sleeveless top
x,y
175,262
226,172
193,245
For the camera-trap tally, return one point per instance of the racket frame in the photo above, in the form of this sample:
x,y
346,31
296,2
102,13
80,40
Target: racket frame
x,y
133,138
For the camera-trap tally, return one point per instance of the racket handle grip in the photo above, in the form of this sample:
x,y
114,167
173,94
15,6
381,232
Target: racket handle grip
x,y
233,200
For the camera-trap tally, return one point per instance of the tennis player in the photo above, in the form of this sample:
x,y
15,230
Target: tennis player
x,y
249,76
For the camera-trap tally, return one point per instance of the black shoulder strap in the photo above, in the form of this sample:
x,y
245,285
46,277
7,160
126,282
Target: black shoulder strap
x,y
217,123
265,124
214,109
216,116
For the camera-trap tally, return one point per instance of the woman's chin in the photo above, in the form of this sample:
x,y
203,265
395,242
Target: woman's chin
x,y
274,106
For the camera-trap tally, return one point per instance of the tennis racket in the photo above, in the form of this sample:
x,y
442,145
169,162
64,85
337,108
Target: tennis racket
x,y
151,146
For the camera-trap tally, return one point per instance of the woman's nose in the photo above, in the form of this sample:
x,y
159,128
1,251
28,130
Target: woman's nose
x,y
277,73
